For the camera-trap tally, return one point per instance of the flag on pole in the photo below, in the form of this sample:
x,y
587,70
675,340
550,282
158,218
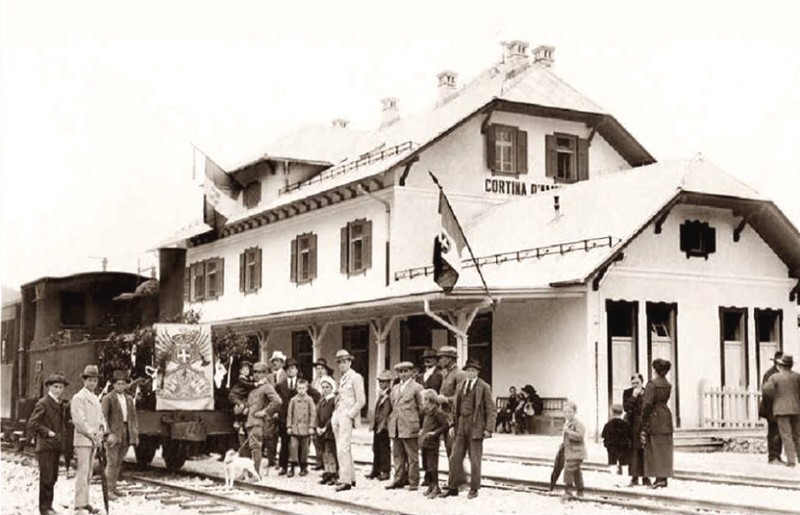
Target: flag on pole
x,y
447,247
220,191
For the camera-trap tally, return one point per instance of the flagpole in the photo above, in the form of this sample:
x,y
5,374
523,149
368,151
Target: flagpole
x,y
466,241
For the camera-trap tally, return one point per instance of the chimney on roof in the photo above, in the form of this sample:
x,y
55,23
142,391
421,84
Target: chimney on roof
x,y
543,55
340,123
516,52
447,85
390,112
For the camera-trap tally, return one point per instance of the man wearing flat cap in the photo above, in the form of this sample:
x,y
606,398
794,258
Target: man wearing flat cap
x,y
774,444
404,424
123,428
90,427
783,389
475,417
48,422
349,402
451,377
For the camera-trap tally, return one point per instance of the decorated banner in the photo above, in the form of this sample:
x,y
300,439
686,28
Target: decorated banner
x,y
184,366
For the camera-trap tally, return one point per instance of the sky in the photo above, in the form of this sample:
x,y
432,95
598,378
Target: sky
x,y
101,101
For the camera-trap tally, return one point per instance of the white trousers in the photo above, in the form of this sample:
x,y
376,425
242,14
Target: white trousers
x,y
343,432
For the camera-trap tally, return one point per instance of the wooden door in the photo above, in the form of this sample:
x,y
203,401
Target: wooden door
x,y
662,343
623,363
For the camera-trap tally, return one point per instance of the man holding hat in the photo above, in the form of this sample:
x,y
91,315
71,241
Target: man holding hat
x,y
90,426
349,402
48,422
431,378
123,428
783,389
451,377
263,403
404,424
475,416
774,444
381,447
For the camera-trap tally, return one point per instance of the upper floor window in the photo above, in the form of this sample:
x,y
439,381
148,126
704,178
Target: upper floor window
x,y
506,149
698,239
251,195
304,258
566,157
356,247
204,280
250,270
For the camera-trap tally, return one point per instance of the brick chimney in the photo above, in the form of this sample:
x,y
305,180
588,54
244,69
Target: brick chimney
x,y
340,123
390,112
447,86
543,55
516,52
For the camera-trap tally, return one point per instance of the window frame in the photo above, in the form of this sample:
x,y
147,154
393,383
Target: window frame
x,y
516,145
309,240
200,274
705,236
572,152
348,243
500,145
251,272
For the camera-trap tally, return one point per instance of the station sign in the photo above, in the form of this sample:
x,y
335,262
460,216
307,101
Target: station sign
x,y
516,188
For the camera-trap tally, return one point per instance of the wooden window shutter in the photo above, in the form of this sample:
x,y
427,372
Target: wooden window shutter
x,y
367,244
522,151
343,249
293,262
259,264
220,276
710,235
583,159
491,149
684,236
243,271
550,161
199,271
187,284
312,256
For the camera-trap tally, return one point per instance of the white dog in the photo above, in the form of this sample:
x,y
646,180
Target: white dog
x,y
236,466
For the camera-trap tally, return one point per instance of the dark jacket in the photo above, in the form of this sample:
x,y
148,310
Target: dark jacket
x,y
434,382
112,411
49,415
633,415
485,416
656,415
434,426
383,409
240,391
783,389
324,414
765,405
616,434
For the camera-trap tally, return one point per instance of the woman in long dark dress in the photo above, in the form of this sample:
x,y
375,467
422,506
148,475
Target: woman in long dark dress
x,y
657,426
632,404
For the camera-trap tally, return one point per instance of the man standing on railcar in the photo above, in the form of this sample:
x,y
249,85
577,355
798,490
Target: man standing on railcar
x,y
90,426
48,422
349,402
123,429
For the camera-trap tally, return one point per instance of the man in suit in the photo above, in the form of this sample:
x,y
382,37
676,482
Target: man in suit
x,y
48,422
404,424
774,444
263,404
349,402
90,426
123,428
783,389
451,377
431,378
278,373
381,448
286,388
475,416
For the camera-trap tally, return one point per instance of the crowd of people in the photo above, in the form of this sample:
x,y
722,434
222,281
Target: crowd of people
x,y
517,410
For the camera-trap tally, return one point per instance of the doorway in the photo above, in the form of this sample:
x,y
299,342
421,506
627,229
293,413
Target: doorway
x,y
355,339
623,350
662,342
733,347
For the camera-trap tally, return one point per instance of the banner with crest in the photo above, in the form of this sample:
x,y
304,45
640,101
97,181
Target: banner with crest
x,y
184,364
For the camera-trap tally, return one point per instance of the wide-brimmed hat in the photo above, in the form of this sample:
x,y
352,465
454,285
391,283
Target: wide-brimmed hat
x,y
119,375
278,355
448,350
778,355
342,355
385,375
322,362
56,377
404,365
90,371
260,367
473,364
786,360
430,354
291,362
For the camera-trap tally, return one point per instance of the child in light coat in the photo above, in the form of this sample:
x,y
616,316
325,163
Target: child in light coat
x,y
574,451
300,422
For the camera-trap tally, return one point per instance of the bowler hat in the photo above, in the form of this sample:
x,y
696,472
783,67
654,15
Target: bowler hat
x,y
472,364
291,362
404,365
429,353
278,355
342,355
778,355
56,377
322,362
786,360
449,351
385,375
260,367
90,371
119,375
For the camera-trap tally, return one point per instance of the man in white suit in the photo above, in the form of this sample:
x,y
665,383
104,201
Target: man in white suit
x,y
90,426
349,402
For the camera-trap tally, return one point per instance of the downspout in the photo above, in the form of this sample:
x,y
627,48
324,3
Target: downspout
x,y
388,209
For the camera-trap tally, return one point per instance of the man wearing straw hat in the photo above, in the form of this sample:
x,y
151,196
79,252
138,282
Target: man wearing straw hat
x,y
90,426
48,422
123,428
349,402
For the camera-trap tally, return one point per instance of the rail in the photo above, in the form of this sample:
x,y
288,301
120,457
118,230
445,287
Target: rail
x,y
518,255
366,159
730,407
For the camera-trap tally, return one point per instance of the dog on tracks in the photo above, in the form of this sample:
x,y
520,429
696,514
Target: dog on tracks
x,y
237,467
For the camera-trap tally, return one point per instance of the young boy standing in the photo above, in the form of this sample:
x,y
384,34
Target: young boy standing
x,y
325,431
48,422
381,449
434,424
574,451
300,421
617,440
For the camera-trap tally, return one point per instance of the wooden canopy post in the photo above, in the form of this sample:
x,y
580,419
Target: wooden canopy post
x,y
316,333
263,345
381,328
459,324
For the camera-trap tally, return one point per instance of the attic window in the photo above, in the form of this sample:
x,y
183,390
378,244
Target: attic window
x,y
567,157
506,149
698,239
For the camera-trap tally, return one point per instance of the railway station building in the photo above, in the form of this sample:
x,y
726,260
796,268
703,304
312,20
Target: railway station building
x,y
597,258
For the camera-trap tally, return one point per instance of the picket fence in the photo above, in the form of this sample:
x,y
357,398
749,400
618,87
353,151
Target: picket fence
x,y
730,407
